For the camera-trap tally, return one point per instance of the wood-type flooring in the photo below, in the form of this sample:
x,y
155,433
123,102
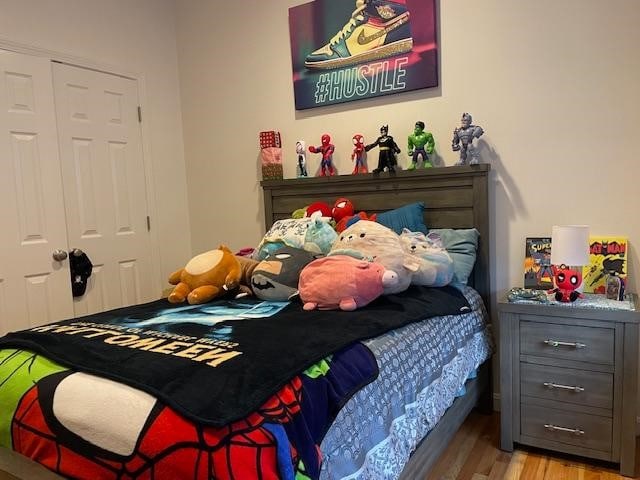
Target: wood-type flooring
x,y
473,454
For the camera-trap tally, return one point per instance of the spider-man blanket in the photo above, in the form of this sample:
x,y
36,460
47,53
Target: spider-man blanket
x,y
87,427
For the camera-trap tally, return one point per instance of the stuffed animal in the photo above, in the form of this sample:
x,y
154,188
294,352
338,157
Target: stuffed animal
x,y
312,234
205,277
276,277
435,264
343,282
374,242
247,267
346,222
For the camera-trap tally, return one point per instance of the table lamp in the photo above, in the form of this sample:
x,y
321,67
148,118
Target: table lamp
x,y
569,253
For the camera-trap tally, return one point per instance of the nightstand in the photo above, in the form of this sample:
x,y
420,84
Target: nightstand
x,y
569,378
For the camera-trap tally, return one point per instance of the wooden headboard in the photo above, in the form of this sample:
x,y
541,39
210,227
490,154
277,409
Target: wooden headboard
x,y
455,197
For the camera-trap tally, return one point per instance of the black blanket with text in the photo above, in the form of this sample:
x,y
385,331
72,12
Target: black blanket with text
x,y
216,363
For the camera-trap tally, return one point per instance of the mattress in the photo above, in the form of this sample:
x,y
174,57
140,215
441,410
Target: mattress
x,y
423,367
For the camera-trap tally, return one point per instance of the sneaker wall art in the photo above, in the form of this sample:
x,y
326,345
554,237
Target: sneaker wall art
x,y
346,50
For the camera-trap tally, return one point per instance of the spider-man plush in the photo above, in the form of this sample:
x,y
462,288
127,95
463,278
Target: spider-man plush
x,y
566,281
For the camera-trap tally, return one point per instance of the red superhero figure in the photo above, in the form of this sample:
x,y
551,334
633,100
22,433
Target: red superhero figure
x,y
566,281
358,154
326,149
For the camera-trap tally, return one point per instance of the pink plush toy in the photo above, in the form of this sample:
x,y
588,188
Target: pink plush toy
x,y
342,282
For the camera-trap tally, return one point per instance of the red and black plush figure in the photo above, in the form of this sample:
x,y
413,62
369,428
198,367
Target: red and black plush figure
x,y
567,281
321,207
342,208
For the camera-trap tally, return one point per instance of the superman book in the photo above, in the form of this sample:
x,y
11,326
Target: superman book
x,y
537,263
607,256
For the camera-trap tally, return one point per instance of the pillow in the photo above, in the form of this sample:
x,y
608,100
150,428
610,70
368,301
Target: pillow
x,y
462,245
408,216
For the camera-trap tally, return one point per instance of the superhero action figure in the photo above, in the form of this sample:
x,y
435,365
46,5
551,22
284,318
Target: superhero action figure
x,y
326,149
421,144
301,152
388,150
567,281
358,154
463,140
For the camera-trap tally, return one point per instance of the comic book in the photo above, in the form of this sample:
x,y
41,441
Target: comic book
x,y
537,263
607,256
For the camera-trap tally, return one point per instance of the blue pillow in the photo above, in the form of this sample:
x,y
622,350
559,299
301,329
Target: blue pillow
x,y
408,216
461,244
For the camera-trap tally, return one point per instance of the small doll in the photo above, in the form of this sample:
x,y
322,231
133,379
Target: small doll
x,y
301,151
463,140
358,154
567,282
388,150
326,149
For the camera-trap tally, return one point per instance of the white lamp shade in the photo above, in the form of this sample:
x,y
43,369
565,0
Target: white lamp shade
x,y
570,245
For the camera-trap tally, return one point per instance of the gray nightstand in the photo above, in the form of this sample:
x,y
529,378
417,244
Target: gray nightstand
x,y
569,378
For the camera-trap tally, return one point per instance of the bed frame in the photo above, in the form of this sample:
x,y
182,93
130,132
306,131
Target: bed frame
x,y
454,197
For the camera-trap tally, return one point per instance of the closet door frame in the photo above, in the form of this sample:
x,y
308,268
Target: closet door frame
x,y
139,77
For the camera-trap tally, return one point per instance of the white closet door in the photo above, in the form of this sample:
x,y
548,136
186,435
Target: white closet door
x,y
104,185
34,288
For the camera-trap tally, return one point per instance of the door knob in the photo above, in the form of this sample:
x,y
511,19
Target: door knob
x,y
59,255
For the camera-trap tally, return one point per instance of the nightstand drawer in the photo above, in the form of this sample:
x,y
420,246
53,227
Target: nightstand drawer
x,y
580,429
570,342
582,387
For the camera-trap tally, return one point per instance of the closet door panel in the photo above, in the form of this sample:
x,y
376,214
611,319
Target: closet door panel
x,y
104,185
34,288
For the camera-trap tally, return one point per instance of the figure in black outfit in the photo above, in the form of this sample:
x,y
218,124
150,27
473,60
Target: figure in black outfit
x,y
388,150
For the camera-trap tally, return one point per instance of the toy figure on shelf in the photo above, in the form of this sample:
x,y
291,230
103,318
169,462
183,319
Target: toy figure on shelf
x,y
301,151
358,154
326,149
566,280
463,140
421,144
388,150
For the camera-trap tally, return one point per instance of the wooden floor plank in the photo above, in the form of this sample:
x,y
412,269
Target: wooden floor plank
x,y
473,454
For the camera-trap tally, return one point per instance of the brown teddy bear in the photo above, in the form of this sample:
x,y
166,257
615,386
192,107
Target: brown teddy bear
x,y
206,276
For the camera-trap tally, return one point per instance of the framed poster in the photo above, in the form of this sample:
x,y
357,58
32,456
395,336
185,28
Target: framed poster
x,y
346,50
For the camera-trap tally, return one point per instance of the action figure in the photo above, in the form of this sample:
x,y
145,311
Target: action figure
x,y
301,151
358,154
326,149
388,150
463,140
423,144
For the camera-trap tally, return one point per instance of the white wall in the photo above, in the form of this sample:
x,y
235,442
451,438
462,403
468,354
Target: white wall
x,y
136,37
554,84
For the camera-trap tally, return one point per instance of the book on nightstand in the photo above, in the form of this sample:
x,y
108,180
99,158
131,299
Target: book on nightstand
x,y
537,263
607,264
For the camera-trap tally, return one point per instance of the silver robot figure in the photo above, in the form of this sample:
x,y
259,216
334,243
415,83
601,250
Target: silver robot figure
x,y
463,140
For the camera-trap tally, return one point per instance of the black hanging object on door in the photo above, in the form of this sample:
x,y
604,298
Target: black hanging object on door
x,y
81,268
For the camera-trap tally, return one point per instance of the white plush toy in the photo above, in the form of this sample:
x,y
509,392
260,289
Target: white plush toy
x,y
375,242
436,265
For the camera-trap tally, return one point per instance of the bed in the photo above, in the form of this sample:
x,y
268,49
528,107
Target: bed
x,y
456,197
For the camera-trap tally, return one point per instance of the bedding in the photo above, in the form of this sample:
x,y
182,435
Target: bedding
x,y
288,425
462,246
395,411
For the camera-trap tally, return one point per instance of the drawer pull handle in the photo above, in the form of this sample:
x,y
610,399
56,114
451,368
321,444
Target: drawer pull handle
x,y
557,343
555,428
551,385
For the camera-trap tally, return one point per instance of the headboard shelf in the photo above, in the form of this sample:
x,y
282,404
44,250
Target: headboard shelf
x,y
455,197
